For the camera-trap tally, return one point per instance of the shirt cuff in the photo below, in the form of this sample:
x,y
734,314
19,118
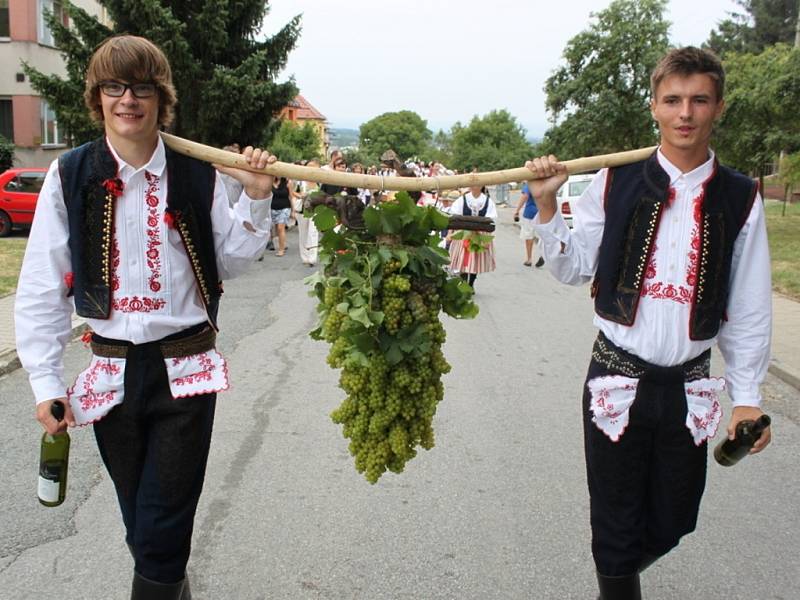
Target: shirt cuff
x,y
744,395
255,212
47,387
554,230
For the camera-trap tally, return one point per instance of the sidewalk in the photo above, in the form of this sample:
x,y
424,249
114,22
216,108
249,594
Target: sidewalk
x,y
784,364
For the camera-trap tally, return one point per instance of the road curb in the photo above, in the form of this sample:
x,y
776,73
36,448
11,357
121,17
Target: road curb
x,y
9,361
781,373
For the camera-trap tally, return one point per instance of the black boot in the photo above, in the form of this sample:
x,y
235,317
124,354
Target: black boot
x,y
187,593
625,587
145,589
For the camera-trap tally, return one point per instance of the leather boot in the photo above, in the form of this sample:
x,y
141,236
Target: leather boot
x,y
625,587
145,589
187,593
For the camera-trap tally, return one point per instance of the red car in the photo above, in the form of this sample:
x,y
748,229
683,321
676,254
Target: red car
x,y
19,190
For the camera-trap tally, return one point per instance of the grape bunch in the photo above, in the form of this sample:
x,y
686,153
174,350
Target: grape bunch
x,y
389,409
379,305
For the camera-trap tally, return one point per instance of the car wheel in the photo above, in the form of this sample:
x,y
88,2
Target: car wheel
x,y
5,224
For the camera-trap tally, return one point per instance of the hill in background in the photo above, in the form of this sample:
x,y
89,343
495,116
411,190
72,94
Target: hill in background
x,y
343,138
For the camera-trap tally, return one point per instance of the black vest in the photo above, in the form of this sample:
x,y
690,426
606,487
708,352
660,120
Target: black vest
x,y
635,198
90,214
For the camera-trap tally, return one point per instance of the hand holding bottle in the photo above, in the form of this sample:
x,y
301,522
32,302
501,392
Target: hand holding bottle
x,y
750,436
45,417
749,413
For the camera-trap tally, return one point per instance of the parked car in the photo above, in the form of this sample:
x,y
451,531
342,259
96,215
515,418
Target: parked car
x,y
19,191
569,192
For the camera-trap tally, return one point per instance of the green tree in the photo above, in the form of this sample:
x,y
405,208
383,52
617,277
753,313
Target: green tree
x,y
789,176
489,143
224,76
6,154
760,119
763,23
405,132
295,142
598,100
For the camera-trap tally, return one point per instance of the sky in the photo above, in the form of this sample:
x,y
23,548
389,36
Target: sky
x,y
446,60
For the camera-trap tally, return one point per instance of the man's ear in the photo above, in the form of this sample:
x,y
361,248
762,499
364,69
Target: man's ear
x,y
720,110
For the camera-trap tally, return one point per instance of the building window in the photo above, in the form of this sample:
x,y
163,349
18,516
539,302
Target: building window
x,y
6,119
51,135
55,7
5,30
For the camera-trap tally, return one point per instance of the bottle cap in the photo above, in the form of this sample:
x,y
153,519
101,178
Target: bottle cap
x,y
57,410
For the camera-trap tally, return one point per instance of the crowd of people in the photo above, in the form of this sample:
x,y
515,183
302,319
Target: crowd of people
x,y
288,197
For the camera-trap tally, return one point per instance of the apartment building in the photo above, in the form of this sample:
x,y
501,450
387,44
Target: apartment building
x,y
25,117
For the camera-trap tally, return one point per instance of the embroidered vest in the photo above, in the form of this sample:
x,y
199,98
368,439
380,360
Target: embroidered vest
x,y
635,198
87,177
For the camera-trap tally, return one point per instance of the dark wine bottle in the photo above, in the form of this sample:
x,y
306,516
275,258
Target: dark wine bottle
x,y
729,452
53,462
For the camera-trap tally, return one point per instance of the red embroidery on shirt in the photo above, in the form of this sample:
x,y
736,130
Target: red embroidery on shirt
x,y
694,251
153,256
659,290
129,304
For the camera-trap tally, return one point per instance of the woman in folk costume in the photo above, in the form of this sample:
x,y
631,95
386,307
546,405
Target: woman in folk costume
x,y
477,203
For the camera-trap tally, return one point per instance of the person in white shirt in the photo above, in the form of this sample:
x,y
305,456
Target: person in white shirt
x,y
136,239
676,249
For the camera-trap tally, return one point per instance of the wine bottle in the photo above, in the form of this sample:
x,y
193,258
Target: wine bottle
x,y
729,452
53,462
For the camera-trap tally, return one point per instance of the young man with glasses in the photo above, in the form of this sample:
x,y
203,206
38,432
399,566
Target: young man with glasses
x,y
136,239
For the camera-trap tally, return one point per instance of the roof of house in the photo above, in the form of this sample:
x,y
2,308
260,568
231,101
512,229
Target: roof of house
x,y
304,109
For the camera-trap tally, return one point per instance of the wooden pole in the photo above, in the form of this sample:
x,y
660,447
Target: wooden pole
x,y
410,184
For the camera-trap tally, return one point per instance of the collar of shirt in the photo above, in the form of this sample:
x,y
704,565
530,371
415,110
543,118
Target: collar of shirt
x,y
693,178
155,166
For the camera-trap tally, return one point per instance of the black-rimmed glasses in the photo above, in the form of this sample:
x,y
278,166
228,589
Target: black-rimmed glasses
x,y
116,89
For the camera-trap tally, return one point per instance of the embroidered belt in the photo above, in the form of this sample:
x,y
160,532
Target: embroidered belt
x,y
203,341
614,358
613,395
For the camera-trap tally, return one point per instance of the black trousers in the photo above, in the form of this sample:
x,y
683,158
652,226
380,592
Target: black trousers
x,y
155,449
644,489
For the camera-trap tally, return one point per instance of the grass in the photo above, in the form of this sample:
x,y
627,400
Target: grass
x,y
11,251
784,247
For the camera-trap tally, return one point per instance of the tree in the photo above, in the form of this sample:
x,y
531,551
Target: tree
x,y
489,143
405,132
763,23
295,142
789,176
598,101
760,119
224,76
6,154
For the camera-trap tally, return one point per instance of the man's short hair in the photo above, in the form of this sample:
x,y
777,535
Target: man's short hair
x,y
130,59
688,61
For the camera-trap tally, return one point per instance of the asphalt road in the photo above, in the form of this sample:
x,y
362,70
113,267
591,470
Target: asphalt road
x,y
497,510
